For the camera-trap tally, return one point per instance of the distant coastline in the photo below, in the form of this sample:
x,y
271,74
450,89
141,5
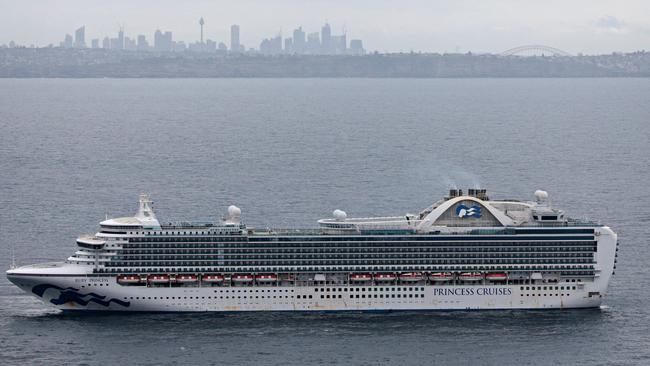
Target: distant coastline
x,y
99,63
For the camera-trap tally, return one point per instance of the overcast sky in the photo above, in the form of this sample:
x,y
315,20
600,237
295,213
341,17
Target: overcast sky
x,y
588,26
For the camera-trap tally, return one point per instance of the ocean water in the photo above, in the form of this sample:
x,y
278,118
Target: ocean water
x,y
289,152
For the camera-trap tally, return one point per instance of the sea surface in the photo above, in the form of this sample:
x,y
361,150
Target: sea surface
x,y
289,152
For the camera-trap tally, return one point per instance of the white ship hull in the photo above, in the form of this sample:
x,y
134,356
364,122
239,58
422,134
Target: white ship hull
x,y
492,254
104,294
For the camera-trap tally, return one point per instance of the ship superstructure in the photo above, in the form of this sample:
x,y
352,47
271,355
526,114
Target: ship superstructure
x,y
465,251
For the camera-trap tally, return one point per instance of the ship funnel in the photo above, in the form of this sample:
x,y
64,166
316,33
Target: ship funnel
x,y
145,209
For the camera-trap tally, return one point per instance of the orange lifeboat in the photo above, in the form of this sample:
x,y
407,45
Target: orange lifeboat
x,y
385,277
158,278
471,276
441,276
242,278
128,279
496,276
266,278
360,277
411,277
212,278
187,278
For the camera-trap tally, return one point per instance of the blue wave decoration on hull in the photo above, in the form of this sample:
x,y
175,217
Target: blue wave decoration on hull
x,y
71,294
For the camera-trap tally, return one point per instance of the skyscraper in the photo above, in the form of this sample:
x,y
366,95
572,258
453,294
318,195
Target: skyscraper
x,y
119,41
95,43
356,47
80,37
130,44
339,44
326,39
313,43
234,38
288,45
299,40
210,46
67,42
106,43
143,45
271,46
157,40
162,42
168,42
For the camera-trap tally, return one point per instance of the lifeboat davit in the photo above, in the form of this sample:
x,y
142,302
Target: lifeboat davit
x,y
441,276
266,278
128,279
385,277
158,279
411,277
496,276
471,276
360,277
242,278
187,278
212,278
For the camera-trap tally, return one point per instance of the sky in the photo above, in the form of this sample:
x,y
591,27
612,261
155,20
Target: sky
x,y
576,26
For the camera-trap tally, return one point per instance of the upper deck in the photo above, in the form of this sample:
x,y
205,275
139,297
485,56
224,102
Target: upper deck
x,y
473,213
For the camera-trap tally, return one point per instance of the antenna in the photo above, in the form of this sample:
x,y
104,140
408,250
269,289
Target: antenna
x,y
201,22
13,255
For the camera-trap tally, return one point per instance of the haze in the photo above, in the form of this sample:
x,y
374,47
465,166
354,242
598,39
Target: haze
x,y
590,27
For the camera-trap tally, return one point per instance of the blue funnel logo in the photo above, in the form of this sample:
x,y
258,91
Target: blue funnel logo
x,y
463,211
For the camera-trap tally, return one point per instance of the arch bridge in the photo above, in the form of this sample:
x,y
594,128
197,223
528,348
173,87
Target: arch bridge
x,y
534,49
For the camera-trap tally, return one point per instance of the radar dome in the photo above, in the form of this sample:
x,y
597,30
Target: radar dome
x,y
234,211
541,195
340,215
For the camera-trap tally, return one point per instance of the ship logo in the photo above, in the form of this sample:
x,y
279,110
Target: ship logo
x,y
71,295
463,211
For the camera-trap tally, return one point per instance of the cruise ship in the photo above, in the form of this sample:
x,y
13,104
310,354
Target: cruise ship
x,y
464,252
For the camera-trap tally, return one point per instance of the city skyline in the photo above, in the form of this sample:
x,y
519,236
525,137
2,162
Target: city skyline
x,y
591,27
301,43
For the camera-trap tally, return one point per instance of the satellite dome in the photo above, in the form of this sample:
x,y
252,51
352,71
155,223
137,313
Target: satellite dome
x,y
234,211
541,195
339,215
